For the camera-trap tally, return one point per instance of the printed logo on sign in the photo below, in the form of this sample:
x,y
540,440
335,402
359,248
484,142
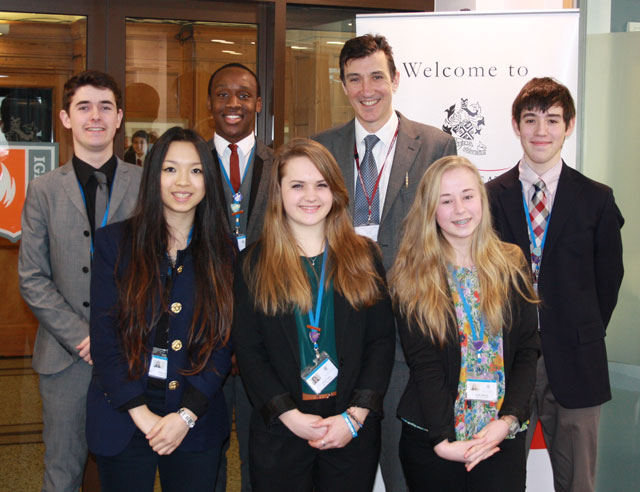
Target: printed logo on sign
x,y
19,164
464,122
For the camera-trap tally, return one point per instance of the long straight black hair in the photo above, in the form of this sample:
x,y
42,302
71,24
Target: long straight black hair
x,y
146,239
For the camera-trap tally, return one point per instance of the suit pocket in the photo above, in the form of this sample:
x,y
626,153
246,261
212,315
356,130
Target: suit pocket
x,y
590,332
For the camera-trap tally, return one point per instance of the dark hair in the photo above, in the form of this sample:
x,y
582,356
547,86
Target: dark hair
x,y
540,94
146,237
363,46
233,65
95,78
140,134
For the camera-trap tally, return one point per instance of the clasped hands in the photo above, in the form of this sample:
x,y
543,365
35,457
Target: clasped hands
x,y
164,434
328,433
483,445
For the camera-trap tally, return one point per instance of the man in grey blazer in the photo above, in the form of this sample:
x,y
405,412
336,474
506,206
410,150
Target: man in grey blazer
x,y
397,157
63,208
245,165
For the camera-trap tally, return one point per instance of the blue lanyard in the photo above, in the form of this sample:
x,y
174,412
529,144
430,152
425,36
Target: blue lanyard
x,y
532,235
226,176
106,212
314,320
478,338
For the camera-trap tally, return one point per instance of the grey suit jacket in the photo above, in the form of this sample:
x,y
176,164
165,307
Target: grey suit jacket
x,y
417,147
262,165
54,263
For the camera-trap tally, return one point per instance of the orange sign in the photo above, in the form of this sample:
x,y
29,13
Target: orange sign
x,y
19,164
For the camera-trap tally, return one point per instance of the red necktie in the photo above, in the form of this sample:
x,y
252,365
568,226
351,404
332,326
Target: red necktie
x,y
234,168
139,162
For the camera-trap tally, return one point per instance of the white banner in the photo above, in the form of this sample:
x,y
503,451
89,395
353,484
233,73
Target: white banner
x,y
461,72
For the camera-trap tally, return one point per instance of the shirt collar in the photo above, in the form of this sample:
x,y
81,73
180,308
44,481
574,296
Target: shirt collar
x,y
550,177
385,134
85,171
244,146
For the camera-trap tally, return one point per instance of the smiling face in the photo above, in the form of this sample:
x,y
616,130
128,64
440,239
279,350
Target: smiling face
x,y
459,210
370,87
306,197
542,134
93,119
181,181
233,103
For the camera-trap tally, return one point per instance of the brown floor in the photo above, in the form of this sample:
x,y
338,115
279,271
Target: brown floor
x,y
21,447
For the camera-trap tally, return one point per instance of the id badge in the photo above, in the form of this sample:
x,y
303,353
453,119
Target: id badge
x,y
319,374
242,241
159,363
370,231
482,388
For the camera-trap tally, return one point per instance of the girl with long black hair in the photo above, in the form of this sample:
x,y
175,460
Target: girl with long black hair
x,y
161,309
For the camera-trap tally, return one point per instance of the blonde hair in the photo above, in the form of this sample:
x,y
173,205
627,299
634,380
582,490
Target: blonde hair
x,y
418,278
278,281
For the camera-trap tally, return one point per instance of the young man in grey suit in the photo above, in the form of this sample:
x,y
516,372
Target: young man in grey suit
x,y
245,165
62,210
383,156
569,227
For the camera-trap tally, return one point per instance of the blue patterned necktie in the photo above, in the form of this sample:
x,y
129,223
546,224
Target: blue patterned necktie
x,y
369,173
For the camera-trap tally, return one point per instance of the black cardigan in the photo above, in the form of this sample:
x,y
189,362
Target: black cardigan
x,y
268,356
432,389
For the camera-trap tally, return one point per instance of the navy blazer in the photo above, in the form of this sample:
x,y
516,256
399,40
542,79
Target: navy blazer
x,y
432,390
109,428
269,358
580,277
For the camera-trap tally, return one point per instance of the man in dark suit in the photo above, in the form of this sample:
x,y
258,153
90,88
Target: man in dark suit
x,y
245,166
383,156
569,226
62,210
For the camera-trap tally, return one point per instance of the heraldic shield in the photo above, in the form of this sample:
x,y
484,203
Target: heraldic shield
x,y
19,164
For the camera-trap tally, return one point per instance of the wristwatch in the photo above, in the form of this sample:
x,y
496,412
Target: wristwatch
x,y
514,425
186,417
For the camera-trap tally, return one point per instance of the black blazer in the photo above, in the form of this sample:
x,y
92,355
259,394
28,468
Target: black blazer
x,y
268,356
432,389
580,277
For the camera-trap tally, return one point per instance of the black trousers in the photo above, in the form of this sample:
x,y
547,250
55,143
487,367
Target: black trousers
x,y
280,461
425,471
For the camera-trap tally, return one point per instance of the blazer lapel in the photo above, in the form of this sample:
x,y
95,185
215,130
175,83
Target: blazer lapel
x,y
72,188
563,204
407,147
511,202
119,189
255,185
342,312
344,155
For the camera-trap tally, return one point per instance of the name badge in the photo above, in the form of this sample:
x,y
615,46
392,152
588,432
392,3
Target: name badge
x,y
370,231
319,374
242,241
159,363
482,389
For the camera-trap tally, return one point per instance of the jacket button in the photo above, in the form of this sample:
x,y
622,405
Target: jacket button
x,y
176,307
85,303
176,345
85,269
86,233
179,269
173,385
